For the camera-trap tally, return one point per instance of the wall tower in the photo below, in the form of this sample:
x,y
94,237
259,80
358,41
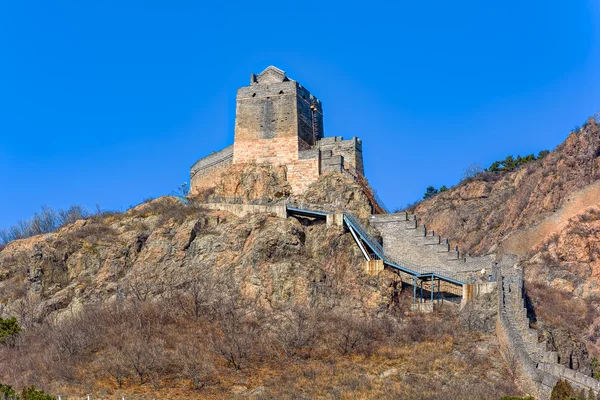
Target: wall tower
x,y
275,118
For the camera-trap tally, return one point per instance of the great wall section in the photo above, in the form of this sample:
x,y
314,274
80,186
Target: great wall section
x,y
279,122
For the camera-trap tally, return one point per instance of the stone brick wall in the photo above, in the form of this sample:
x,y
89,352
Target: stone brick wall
x,y
310,116
301,173
207,180
537,369
214,160
274,106
266,111
405,239
350,150
206,171
276,151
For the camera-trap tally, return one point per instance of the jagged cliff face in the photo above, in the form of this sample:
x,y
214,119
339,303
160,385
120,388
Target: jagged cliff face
x,y
254,306
547,213
246,182
166,244
339,191
484,212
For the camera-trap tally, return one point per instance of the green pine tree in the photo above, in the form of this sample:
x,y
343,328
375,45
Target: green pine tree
x,y
562,391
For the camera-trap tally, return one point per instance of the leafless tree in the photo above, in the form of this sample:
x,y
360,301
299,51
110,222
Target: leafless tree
x,y
296,330
195,362
25,309
353,334
472,171
142,284
143,356
196,298
114,362
237,331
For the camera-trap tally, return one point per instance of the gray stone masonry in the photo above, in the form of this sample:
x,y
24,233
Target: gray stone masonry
x,y
331,163
534,363
404,238
350,150
273,106
212,161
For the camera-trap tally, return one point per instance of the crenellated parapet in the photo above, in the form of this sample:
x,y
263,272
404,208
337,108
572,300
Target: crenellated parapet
x,y
404,236
537,369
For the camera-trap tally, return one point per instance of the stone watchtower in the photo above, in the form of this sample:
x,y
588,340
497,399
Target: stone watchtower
x,y
279,122
276,117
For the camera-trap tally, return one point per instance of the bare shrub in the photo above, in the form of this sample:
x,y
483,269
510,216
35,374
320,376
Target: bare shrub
x,y
45,221
236,336
168,209
352,335
195,363
143,355
144,284
296,330
472,171
114,362
71,337
560,308
26,308
197,296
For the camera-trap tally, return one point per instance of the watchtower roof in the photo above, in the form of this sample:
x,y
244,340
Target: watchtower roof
x,y
271,74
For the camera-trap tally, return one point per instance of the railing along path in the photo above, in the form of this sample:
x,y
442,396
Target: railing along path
x,y
377,249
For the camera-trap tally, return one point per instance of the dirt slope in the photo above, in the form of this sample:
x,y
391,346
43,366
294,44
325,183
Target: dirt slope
x,y
481,213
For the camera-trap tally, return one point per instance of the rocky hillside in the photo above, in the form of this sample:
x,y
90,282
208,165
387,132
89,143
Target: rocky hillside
x,y
171,300
547,213
483,212
168,243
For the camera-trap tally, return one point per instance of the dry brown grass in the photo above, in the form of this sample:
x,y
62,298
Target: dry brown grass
x,y
561,309
240,348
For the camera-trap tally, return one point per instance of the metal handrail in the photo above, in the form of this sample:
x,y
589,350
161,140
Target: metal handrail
x,y
374,244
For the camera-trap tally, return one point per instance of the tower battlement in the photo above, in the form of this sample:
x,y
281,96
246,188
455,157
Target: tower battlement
x,y
278,121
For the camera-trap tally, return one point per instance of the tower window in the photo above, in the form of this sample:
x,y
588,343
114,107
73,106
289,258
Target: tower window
x,y
253,94
281,92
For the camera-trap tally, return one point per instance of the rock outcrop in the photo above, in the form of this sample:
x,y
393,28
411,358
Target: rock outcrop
x,y
482,213
163,243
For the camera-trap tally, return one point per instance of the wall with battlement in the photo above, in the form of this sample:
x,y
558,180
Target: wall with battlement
x,y
405,239
537,368
350,150
278,121
205,172
214,160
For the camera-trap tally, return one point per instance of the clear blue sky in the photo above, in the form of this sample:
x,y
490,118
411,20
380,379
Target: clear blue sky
x,y
110,102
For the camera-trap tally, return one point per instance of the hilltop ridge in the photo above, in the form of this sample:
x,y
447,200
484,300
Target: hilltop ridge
x,y
483,212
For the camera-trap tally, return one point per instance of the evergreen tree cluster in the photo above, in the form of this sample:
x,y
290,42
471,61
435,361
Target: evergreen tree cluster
x,y
30,393
511,163
8,328
564,391
432,191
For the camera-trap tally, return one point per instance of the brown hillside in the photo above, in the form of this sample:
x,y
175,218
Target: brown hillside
x,y
486,211
170,300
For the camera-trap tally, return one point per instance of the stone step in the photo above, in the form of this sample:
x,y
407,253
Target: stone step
x,y
411,224
432,240
443,247
420,231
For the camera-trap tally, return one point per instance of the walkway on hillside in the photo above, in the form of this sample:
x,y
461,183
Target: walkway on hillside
x,y
373,250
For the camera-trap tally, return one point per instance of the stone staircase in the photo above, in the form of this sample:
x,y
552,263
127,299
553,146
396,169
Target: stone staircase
x,y
404,237
537,367
514,305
